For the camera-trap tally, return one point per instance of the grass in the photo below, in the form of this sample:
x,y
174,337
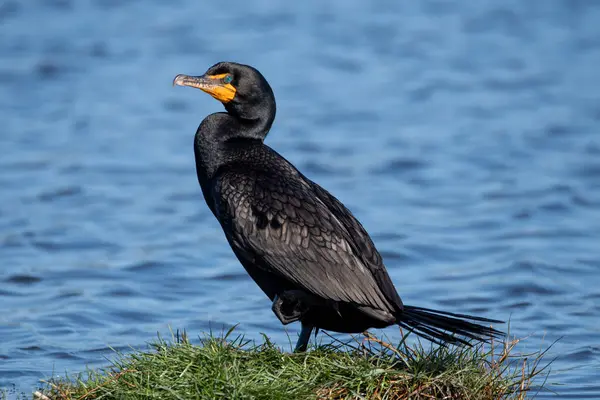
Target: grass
x,y
222,367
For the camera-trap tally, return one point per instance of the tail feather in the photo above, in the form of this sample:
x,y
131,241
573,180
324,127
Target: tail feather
x,y
444,327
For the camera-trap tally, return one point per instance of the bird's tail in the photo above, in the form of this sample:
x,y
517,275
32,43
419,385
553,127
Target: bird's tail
x,y
443,327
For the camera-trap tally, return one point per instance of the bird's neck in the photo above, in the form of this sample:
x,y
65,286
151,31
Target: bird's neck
x,y
219,133
252,122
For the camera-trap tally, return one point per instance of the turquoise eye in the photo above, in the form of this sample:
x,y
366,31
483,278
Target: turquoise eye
x,y
228,79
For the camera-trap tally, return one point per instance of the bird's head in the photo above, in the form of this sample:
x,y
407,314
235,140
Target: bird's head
x,y
241,88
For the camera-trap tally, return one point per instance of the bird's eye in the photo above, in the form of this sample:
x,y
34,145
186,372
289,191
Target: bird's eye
x,y
227,79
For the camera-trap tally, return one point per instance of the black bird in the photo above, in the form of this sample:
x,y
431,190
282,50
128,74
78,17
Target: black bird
x,y
300,244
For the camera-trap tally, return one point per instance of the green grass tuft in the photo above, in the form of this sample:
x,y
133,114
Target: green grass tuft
x,y
222,367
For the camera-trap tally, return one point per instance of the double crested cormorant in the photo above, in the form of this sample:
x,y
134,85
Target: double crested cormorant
x,y
300,244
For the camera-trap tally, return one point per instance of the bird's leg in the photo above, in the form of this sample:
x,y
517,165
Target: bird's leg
x,y
291,305
285,318
303,339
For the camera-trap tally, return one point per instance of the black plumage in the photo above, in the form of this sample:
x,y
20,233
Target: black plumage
x,y
301,245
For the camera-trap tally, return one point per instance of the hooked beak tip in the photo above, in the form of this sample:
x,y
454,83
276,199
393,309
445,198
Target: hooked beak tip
x,y
178,81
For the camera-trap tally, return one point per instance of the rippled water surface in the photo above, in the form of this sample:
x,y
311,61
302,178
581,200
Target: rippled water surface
x,y
464,135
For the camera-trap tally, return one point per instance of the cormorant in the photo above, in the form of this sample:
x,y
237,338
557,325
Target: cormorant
x,y
300,244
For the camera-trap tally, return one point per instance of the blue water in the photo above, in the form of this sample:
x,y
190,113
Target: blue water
x,y
464,135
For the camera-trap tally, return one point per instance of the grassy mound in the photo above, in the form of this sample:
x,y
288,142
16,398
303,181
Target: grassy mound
x,y
367,368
